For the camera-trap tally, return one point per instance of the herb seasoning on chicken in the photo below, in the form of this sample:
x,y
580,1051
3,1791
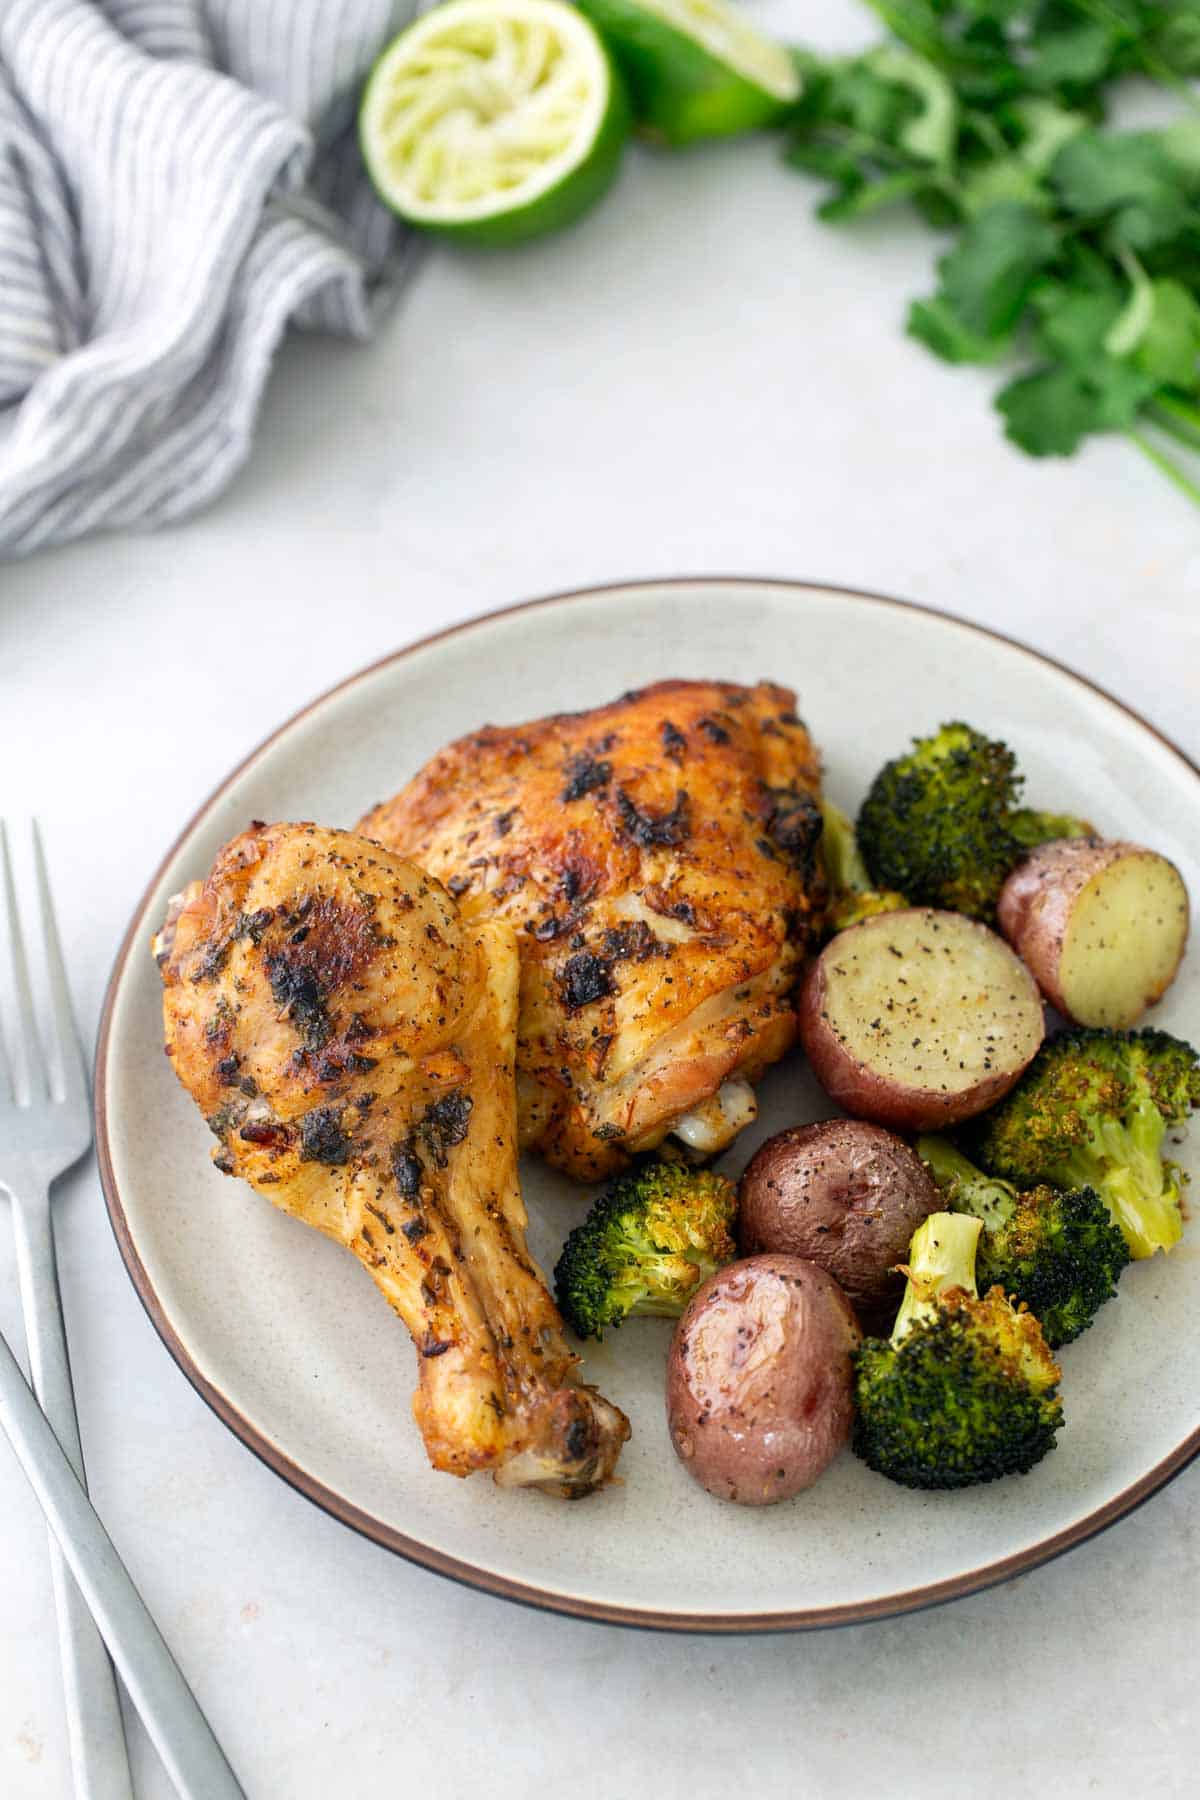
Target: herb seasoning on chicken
x,y
659,868
354,1054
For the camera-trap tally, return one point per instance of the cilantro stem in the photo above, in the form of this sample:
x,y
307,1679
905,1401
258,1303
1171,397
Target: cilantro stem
x,y
1181,420
901,23
1171,470
1162,72
1151,64
1133,321
989,132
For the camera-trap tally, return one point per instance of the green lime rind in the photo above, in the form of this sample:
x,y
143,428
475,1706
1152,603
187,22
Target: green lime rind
x,y
569,183
684,90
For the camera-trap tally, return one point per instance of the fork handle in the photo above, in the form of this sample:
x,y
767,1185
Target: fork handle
x,y
178,1729
95,1731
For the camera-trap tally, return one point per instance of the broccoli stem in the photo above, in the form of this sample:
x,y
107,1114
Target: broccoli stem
x,y
967,1188
852,896
844,867
1149,1223
1124,1163
940,1256
1031,827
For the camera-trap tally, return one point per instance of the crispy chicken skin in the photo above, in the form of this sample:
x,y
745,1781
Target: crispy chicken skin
x,y
656,857
350,1041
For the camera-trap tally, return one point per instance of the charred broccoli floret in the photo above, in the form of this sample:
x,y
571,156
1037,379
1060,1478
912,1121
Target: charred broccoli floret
x,y
646,1245
942,825
1092,1110
851,895
1056,1250
965,1389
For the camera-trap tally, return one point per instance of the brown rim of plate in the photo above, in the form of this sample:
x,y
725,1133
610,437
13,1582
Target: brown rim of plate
x,y
936,1593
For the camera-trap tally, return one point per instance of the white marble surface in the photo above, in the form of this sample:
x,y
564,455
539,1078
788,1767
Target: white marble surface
x,y
698,379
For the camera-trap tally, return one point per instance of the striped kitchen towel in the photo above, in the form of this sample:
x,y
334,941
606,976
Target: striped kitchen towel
x,y
179,179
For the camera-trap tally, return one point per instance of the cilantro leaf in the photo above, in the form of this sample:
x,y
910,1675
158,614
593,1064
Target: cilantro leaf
x,y
1042,128
1127,181
1073,322
1074,57
879,127
1050,412
936,325
858,198
1003,178
932,133
1172,37
1169,349
987,277
1081,242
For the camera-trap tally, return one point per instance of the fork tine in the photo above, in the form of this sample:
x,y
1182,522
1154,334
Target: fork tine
x,y
66,1047
28,1075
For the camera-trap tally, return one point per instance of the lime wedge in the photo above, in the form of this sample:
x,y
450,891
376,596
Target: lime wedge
x,y
494,120
695,68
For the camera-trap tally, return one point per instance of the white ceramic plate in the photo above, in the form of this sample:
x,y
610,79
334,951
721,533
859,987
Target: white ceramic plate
x,y
283,1333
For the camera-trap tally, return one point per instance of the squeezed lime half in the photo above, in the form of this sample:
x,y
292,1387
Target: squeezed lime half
x,y
696,68
494,120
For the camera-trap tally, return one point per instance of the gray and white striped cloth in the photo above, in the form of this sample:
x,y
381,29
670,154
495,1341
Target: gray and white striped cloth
x,y
179,179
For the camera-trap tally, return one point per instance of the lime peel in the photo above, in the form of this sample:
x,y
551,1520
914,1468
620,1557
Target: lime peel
x,y
494,120
696,68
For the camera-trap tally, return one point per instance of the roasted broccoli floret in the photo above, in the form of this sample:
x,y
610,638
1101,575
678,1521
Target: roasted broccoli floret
x,y
646,1245
1092,1110
965,1389
1056,1250
851,895
941,823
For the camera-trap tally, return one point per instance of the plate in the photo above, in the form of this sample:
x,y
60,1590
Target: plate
x,y
284,1335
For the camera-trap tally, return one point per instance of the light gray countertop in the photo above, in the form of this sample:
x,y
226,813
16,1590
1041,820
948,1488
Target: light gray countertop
x,y
700,379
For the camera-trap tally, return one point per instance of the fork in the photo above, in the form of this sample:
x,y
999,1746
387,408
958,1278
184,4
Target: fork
x,y
45,1127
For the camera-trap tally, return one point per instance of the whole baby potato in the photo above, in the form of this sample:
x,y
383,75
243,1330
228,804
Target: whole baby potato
x,y
759,1379
843,1193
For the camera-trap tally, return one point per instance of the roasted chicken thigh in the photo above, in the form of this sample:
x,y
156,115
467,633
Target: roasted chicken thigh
x,y
657,859
350,1040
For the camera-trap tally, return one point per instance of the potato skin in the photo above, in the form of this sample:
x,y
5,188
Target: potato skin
x,y
864,1091
1036,902
1043,873
760,1381
842,1193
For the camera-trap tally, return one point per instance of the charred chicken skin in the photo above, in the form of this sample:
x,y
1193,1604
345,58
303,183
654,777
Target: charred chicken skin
x,y
656,858
350,1040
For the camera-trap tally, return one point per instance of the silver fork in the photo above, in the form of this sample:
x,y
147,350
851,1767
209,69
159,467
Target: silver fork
x,y
45,1127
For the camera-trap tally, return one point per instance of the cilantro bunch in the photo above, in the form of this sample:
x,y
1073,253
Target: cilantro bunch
x,y
1077,246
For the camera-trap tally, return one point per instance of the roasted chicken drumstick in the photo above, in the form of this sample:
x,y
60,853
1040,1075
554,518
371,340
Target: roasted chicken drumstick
x,y
656,857
350,1040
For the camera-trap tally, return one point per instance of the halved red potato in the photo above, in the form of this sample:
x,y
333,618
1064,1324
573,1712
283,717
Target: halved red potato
x,y
1103,926
918,1019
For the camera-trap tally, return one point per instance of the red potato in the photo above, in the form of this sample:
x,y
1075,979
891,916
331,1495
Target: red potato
x,y
918,1019
1103,926
760,1379
844,1194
